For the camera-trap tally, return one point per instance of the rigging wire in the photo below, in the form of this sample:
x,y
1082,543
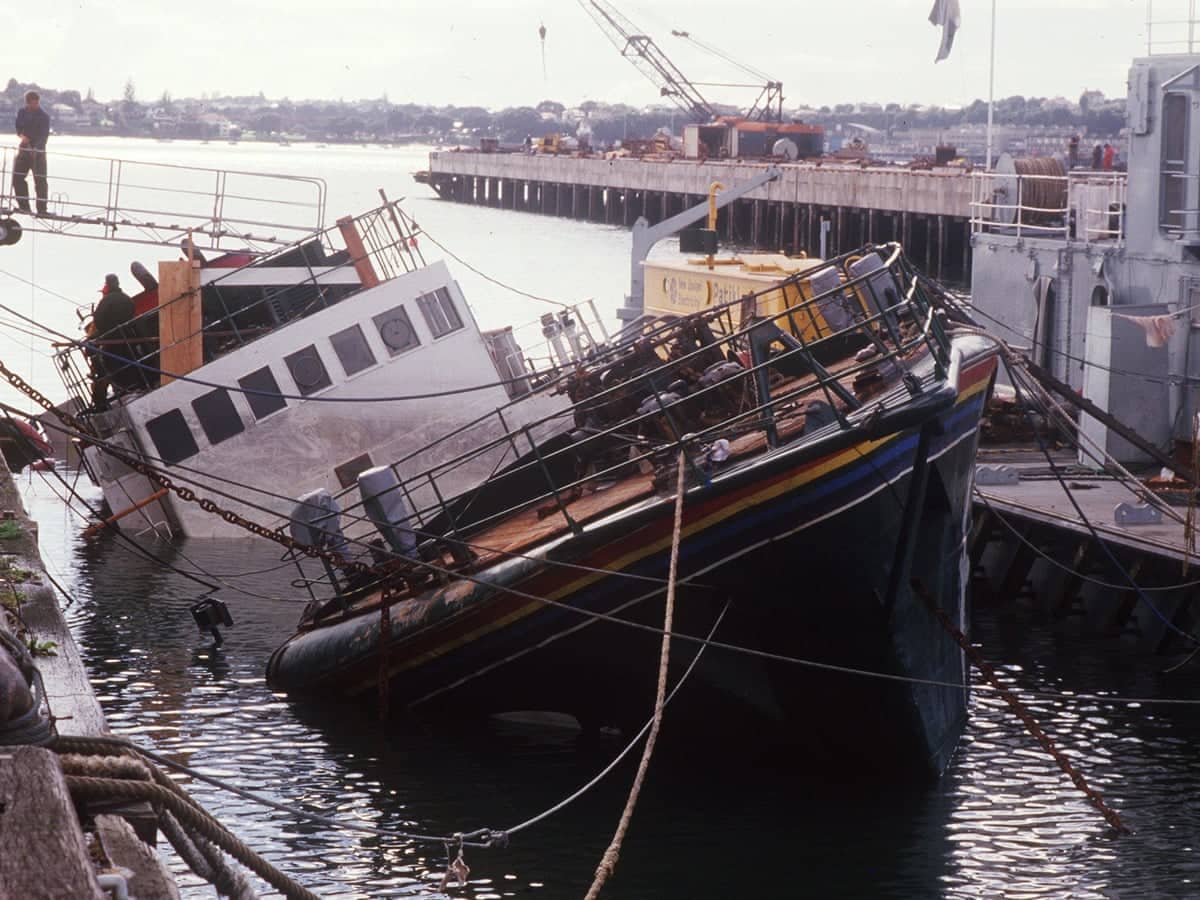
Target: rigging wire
x,y
1017,376
594,616
1110,585
34,284
190,477
508,287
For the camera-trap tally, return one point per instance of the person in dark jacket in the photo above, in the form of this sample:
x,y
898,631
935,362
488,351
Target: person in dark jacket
x,y
117,339
33,130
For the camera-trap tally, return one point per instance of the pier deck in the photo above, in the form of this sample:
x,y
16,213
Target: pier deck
x,y
927,210
1028,540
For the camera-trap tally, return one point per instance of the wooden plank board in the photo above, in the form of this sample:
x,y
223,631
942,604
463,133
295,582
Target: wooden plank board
x,y
179,318
44,851
525,529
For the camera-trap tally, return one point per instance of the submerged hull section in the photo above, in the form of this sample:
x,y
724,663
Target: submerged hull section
x,y
790,555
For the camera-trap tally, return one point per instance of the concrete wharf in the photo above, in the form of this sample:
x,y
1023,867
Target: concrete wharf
x,y
1028,540
928,210
46,851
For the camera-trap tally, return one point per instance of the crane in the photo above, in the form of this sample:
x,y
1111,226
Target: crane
x,y
768,106
643,52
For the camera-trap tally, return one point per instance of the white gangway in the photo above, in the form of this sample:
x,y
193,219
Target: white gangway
x,y
161,203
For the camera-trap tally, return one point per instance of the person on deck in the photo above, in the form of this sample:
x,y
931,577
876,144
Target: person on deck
x,y
1109,152
1097,157
115,335
33,130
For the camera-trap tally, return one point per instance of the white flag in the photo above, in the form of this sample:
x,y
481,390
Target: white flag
x,y
946,14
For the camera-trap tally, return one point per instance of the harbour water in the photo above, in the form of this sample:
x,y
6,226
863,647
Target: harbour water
x,y
1003,822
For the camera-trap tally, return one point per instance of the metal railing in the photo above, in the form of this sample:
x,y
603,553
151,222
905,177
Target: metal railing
x,y
622,423
1084,206
161,203
1171,35
1184,222
234,314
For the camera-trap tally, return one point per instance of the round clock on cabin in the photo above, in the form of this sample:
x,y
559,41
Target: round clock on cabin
x,y
397,333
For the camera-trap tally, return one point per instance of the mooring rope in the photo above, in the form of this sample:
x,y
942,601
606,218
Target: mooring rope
x,y
194,832
32,726
175,801
609,861
205,860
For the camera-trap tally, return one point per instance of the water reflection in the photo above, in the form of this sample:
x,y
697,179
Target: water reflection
x,y
1003,822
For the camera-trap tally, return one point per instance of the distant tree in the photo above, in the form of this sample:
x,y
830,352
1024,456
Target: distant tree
x,y
432,121
165,100
130,93
551,106
91,97
473,117
269,123
516,122
976,113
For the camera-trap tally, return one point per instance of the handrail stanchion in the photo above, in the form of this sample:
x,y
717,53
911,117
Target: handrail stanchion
x,y
562,507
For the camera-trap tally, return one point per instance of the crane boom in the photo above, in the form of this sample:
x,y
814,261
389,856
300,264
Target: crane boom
x,y
769,104
643,52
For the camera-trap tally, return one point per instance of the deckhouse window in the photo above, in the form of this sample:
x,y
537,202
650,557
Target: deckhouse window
x,y
307,370
217,415
262,392
172,438
395,327
1173,168
352,350
439,312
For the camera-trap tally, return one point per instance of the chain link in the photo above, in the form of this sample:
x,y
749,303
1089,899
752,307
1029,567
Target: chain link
x,y
183,492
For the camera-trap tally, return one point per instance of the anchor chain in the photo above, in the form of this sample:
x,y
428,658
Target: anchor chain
x,y
40,399
1031,724
185,493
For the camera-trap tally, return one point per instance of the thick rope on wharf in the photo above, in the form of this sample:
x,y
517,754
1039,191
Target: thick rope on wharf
x,y
201,857
609,861
33,725
127,778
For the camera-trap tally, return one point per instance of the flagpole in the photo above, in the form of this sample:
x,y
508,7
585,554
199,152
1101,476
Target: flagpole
x,y
991,87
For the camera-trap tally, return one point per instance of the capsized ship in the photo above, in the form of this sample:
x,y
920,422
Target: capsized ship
x,y
298,368
828,453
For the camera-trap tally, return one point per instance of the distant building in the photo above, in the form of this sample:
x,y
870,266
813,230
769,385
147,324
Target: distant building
x,y
63,116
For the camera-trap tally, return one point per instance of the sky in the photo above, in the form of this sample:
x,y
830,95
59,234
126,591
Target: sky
x,y
487,52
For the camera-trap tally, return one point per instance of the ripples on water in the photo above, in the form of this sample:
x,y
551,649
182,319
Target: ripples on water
x,y
1003,822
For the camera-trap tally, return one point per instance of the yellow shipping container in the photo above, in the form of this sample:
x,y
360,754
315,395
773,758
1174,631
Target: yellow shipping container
x,y
689,286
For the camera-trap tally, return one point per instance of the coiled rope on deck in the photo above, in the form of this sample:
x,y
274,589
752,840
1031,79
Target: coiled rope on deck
x,y
609,861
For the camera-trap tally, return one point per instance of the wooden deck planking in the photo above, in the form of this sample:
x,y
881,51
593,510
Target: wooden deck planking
x,y
524,529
